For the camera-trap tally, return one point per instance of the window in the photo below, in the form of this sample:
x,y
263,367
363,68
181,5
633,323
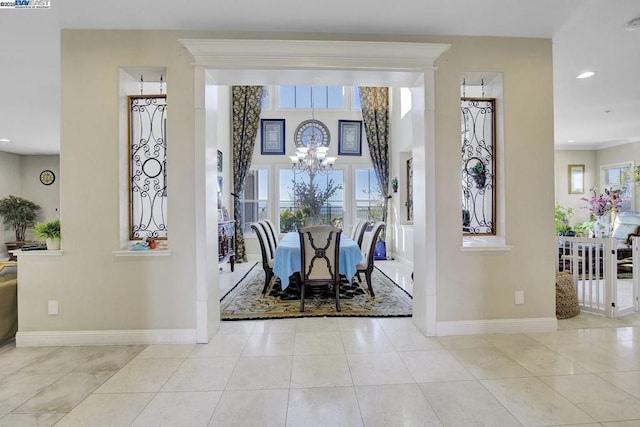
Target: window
x,y
266,100
331,97
254,198
478,166
148,172
302,198
355,95
368,197
619,177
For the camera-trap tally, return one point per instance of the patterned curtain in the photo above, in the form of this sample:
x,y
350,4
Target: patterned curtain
x,y
375,115
246,102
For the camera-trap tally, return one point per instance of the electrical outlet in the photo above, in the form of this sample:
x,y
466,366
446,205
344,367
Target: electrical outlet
x,y
519,299
53,307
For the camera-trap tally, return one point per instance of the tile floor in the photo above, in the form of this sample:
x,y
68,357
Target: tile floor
x,y
335,372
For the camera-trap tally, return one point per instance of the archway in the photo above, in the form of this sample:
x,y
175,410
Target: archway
x,y
229,62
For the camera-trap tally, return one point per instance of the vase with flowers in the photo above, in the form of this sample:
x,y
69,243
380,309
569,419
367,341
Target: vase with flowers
x,y
601,206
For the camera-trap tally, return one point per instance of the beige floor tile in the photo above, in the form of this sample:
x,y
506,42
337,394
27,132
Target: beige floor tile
x,y
314,324
166,351
236,328
489,362
627,333
378,368
626,350
364,324
13,359
201,374
110,358
627,381
564,336
463,341
15,389
63,359
366,341
270,344
329,370
534,403
64,394
321,407
318,343
438,365
396,323
466,403
274,326
541,360
179,409
30,420
631,423
106,410
263,372
267,408
395,405
592,357
228,345
499,340
598,398
141,375
412,340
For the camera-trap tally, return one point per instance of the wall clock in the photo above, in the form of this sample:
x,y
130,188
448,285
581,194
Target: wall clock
x,y
309,129
47,177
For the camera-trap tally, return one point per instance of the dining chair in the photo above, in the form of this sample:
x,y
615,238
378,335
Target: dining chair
x,y
369,245
319,259
358,231
271,240
267,255
273,232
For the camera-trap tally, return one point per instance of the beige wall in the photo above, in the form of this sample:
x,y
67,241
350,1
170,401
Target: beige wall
x,y
618,154
95,289
98,291
481,285
10,184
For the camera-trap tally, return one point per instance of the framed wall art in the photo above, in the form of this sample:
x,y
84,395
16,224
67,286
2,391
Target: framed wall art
x,y
350,137
272,136
576,179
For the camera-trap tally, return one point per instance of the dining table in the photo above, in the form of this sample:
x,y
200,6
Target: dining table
x,y
287,257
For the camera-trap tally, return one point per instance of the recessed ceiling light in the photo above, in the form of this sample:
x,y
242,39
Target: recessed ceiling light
x,y
571,140
4,140
585,75
633,25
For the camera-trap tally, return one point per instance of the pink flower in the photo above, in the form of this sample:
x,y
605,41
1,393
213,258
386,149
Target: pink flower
x,y
602,204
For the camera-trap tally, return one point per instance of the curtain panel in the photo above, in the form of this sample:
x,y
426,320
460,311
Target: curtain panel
x,y
246,105
375,116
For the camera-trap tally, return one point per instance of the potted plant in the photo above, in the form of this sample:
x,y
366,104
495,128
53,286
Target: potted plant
x,y
18,213
49,233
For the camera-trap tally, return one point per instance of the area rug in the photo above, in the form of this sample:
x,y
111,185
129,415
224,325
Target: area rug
x,y
246,302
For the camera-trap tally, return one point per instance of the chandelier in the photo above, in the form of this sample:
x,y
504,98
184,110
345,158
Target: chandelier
x,y
312,139
313,158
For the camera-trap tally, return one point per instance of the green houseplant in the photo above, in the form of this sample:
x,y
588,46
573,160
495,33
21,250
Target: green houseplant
x,y
18,213
48,232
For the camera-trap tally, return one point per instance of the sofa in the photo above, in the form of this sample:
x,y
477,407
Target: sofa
x,y
8,305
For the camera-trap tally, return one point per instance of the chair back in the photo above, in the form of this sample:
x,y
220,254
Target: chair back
x,y
265,250
369,242
319,254
271,241
364,224
273,231
357,226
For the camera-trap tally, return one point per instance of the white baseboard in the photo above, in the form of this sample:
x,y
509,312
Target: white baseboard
x,y
497,326
125,337
401,259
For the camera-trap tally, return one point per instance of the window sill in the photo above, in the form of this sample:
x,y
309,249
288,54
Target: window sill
x,y
484,244
147,253
20,253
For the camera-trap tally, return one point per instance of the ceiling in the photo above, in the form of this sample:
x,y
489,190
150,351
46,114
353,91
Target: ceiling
x,y
587,35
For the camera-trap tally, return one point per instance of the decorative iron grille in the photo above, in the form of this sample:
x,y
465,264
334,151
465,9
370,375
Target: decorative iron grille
x,y
478,166
148,166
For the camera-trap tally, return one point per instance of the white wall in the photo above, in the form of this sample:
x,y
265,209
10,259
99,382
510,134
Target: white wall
x,y
10,184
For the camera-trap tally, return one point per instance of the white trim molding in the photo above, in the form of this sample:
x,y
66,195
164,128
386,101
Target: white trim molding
x,y
113,337
497,326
